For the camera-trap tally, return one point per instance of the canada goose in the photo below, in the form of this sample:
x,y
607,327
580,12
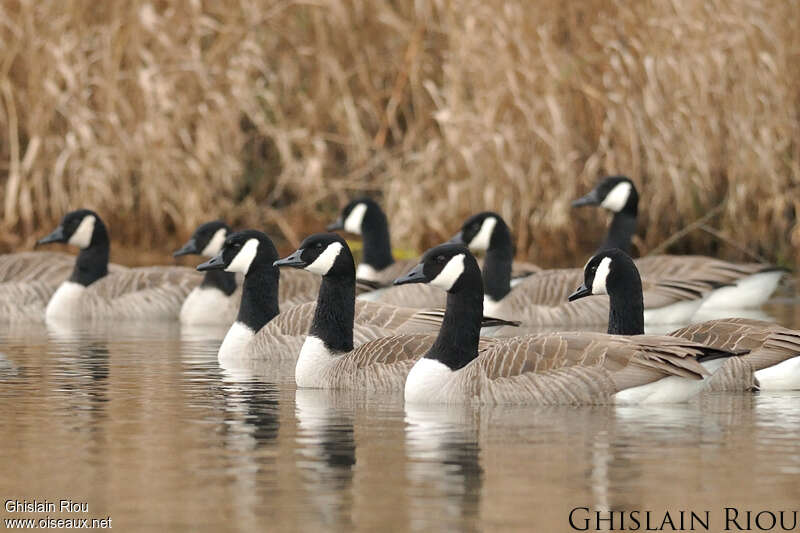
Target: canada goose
x,y
216,299
327,358
742,284
260,331
541,299
92,292
550,368
774,351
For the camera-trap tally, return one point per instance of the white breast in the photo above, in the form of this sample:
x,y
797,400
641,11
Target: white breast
x,y
66,301
206,305
236,341
427,381
312,363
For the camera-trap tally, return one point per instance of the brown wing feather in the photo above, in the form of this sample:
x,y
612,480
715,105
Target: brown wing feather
x,y
768,344
379,365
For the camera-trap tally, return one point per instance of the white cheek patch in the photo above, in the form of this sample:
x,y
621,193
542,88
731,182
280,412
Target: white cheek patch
x,y
450,273
484,237
367,272
352,223
599,283
618,197
324,262
243,260
215,244
82,237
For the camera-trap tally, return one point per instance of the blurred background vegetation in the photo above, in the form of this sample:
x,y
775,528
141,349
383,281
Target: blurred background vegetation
x,y
270,114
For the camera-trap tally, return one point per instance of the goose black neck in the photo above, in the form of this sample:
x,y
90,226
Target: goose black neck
x,y
457,342
335,312
221,280
377,243
623,227
259,296
626,310
92,261
497,263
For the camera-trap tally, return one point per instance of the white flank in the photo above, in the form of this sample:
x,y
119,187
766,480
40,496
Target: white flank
x,y
599,282
243,260
65,302
751,291
427,381
677,313
324,262
671,389
215,244
312,363
352,223
783,376
205,305
618,197
234,345
366,272
450,273
484,236
82,237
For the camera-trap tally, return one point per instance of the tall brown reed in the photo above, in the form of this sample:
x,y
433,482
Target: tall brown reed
x,y
164,114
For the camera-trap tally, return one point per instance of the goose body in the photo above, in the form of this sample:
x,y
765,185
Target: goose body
x,y
772,351
541,298
93,292
740,285
329,357
552,368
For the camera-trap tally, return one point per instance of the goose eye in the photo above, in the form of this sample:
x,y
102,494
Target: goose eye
x,y
440,258
318,245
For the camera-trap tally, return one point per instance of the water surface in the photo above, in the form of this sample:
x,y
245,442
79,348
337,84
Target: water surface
x,y
140,422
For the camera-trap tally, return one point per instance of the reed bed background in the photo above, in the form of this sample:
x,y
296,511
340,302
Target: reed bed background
x,y
271,114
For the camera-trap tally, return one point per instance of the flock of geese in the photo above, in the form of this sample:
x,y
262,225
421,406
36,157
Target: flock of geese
x,y
444,328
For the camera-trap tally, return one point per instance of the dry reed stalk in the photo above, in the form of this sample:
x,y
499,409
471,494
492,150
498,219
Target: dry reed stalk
x,y
271,113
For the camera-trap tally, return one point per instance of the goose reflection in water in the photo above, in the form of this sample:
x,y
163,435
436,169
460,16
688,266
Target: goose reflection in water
x,y
327,453
444,467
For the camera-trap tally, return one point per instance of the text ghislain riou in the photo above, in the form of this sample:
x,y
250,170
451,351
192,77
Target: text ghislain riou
x,y
45,506
727,519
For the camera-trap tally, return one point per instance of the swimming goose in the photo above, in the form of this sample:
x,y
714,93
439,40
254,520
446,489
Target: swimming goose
x,y
742,284
260,331
216,299
774,351
548,368
541,299
328,358
92,292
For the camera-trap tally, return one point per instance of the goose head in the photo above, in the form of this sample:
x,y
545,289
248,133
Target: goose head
x,y
615,193
80,228
483,231
207,240
450,267
358,215
610,272
326,254
244,252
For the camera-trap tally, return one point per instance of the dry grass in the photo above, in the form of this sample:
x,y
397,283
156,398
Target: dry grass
x,y
161,115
